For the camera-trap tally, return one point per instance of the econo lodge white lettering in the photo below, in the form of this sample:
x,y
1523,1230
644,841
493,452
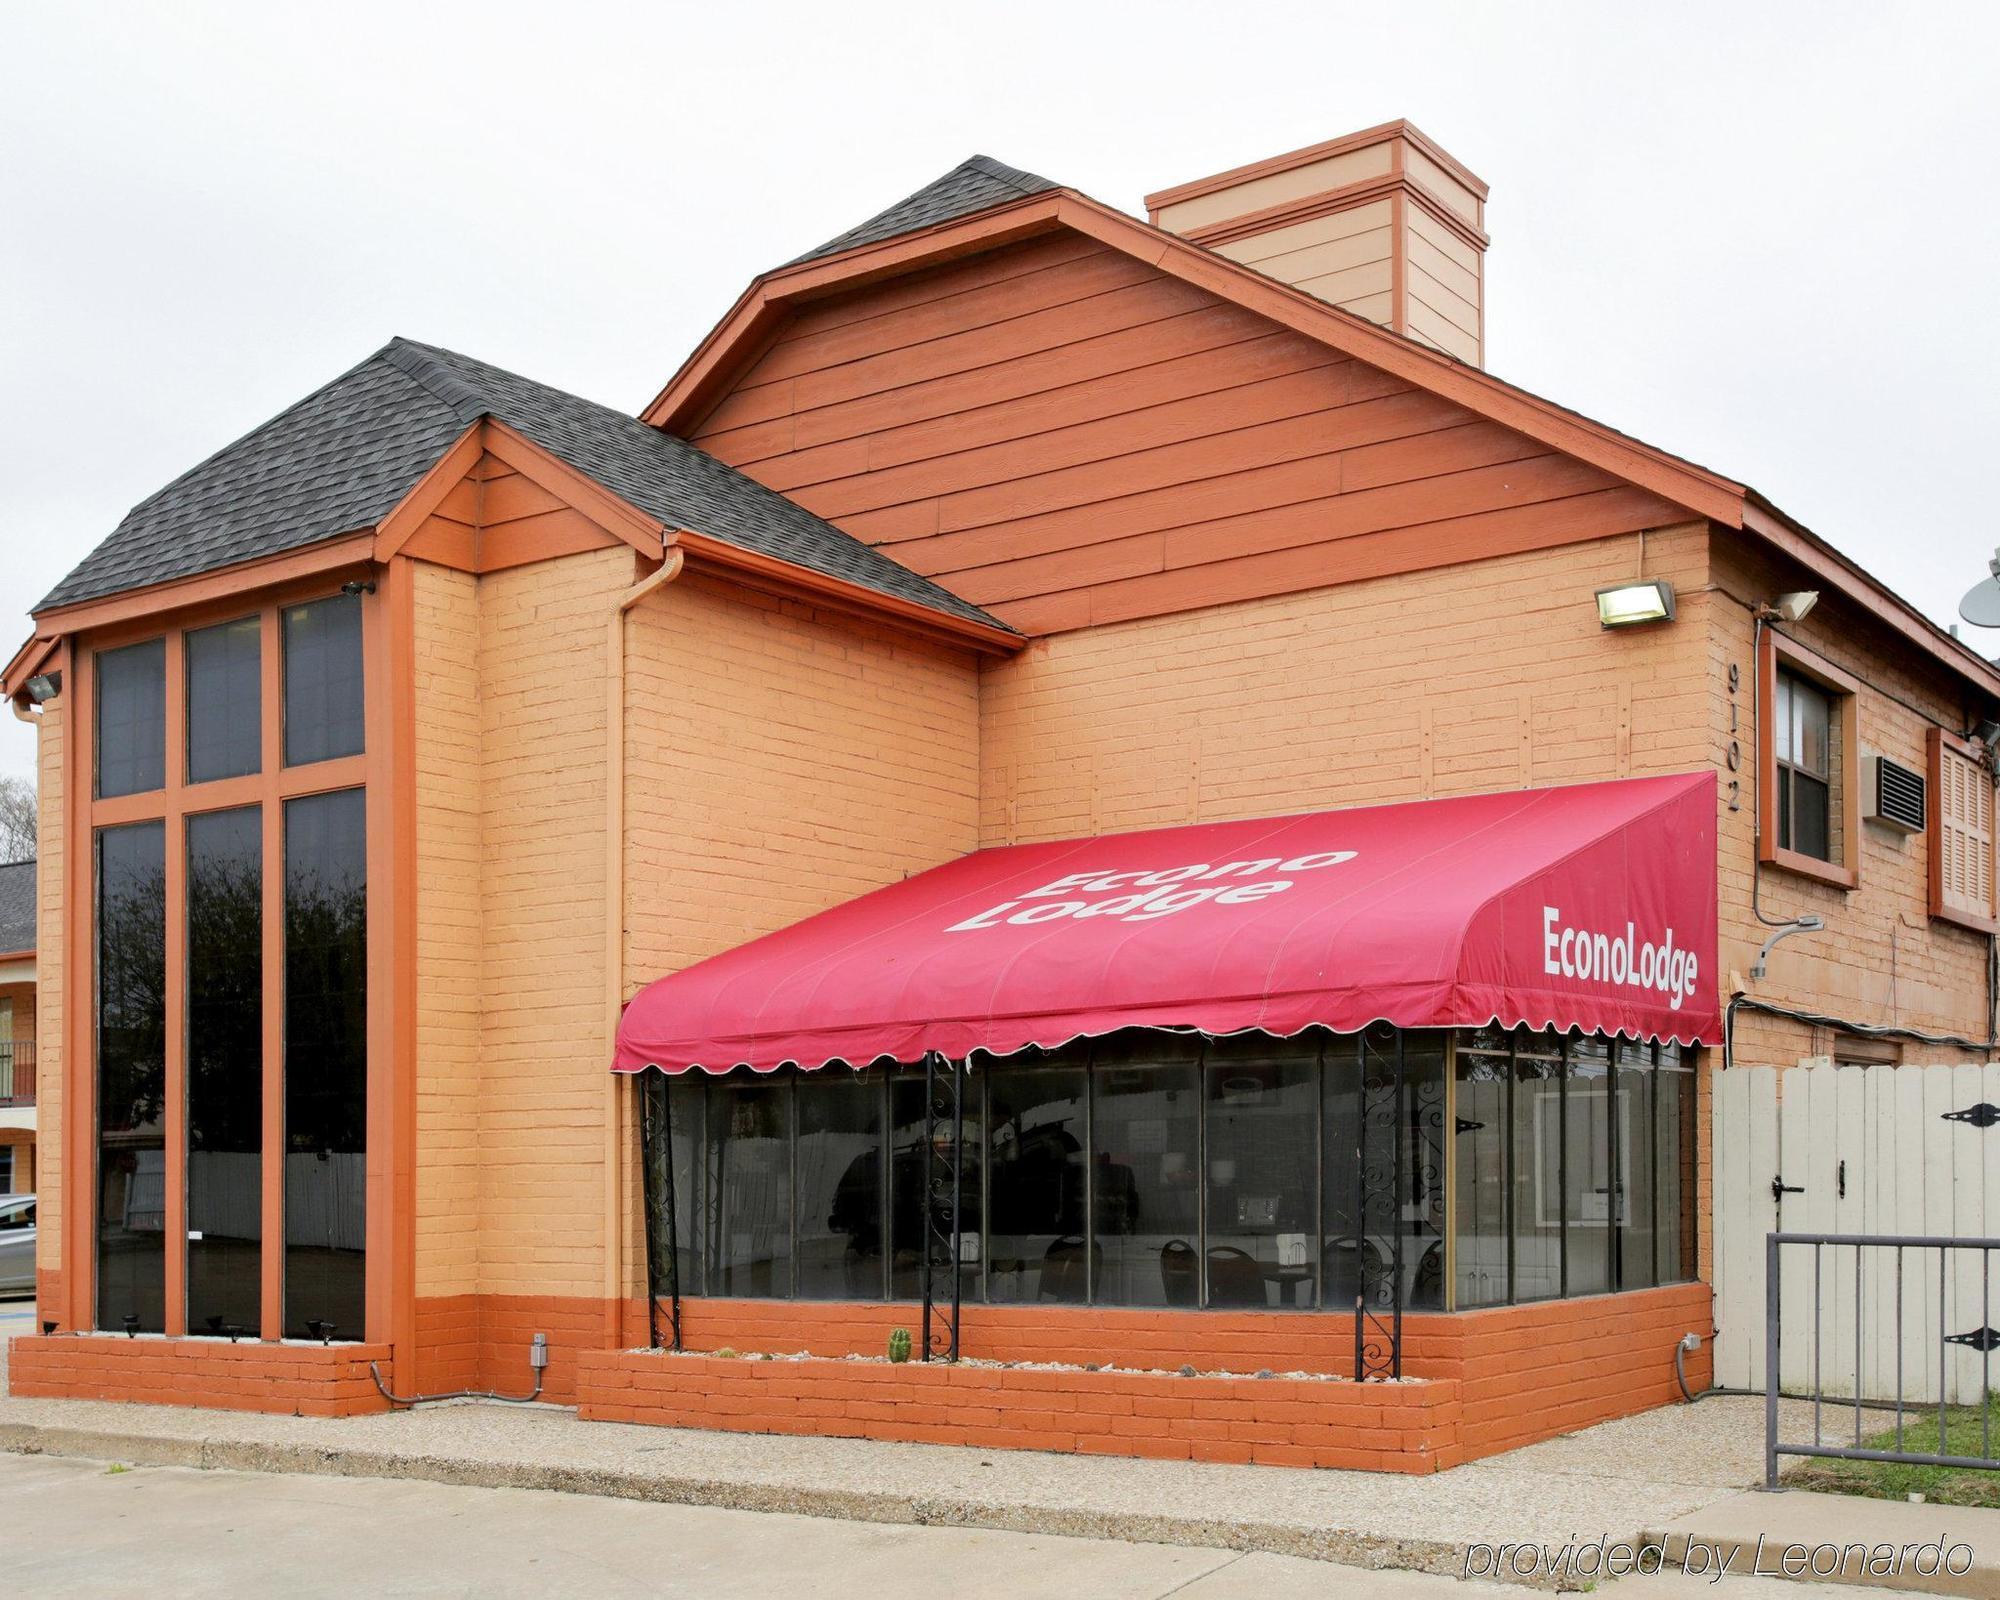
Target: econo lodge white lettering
x,y
1618,958
1139,895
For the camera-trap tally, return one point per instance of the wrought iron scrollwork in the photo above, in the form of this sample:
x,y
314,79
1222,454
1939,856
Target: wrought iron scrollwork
x,y
656,1160
1383,1115
944,1204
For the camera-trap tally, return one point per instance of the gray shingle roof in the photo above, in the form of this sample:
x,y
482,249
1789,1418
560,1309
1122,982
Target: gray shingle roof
x,y
341,459
17,906
973,185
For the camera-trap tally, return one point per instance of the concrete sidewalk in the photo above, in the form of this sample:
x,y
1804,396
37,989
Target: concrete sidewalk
x,y
1661,1471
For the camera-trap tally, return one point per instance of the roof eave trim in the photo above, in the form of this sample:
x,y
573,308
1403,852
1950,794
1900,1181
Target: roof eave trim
x,y
321,557
740,333
753,569
1793,538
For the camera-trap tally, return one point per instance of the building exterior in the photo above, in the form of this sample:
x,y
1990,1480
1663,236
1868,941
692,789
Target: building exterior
x,y
17,1028
388,755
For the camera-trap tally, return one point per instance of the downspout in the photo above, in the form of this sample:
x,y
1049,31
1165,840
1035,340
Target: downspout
x,y
614,933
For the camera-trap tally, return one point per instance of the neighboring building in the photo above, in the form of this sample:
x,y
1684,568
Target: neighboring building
x,y
17,1028
387,755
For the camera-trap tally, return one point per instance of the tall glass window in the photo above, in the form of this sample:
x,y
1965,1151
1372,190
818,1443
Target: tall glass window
x,y
1036,1248
1263,1171
906,1184
1146,1169
225,1070
1589,1200
1537,1158
839,1186
1674,1111
749,1186
131,1077
323,688
326,1063
1485,1071
224,700
1632,1149
132,719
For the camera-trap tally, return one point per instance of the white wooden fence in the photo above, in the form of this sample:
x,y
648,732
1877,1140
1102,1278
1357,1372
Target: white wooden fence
x,y
1856,1150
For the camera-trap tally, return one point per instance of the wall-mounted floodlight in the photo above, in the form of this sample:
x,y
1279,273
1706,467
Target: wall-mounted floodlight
x,y
1793,607
43,687
1627,605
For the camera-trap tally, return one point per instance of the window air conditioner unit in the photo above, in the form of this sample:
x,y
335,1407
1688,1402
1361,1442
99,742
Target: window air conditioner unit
x,y
1895,794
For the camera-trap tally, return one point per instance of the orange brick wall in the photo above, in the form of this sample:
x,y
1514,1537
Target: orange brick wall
x,y
1483,1381
1492,675
302,1380
1881,959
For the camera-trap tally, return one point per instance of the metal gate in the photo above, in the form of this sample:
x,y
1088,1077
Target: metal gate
x,y
1825,1149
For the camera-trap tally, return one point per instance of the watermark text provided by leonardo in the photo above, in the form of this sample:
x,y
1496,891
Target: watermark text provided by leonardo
x,y
1768,1558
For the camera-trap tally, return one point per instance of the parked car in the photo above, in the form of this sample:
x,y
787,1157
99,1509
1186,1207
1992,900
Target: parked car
x,y
17,1244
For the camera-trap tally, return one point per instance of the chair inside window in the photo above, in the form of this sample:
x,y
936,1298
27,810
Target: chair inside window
x,y
1234,1278
1180,1272
1063,1276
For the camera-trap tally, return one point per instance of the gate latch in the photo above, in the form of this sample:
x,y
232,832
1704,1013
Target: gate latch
x,y
1780,1188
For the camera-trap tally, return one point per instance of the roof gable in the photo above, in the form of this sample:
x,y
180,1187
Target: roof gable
x,y
348,454
977,183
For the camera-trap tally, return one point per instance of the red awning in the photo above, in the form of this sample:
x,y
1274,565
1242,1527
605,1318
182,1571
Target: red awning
x,y
1589,907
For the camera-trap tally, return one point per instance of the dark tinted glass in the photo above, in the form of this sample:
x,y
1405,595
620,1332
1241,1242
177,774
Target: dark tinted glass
x,y
1035,1246
1587,1177
225,1065
323,702
131,1076
1262,1097
1673,1105
224,730
1537,1158
749,1247
326,1062
839,1160
132,718
1147,1169
1479,1146
1634,1156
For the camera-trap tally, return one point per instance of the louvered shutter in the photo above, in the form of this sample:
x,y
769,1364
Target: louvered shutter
x,y
1962,868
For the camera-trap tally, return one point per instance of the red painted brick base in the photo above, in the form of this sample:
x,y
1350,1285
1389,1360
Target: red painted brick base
x,y
1293,1422
302,1380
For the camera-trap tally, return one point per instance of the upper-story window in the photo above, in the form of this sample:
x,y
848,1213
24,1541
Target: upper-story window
x,y
132,719
323,708
1804,767
1808,754
224,700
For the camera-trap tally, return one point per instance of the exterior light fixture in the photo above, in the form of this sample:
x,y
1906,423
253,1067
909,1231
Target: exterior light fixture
x,y
44,687
1793,607
1627,605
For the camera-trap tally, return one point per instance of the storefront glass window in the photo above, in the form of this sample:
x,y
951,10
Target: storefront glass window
x,y
1674,1106
1036,1247
1479,1143
1165,1169
750,1186
224,692
1146,1169
132,719
839,1160
326,1064
131,1077
225,1070
1262,1197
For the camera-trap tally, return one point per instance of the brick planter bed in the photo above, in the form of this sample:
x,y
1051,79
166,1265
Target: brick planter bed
x,y
305,1380
1283,1421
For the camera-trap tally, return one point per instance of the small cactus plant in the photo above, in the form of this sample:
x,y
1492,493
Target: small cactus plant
x,y
726,1353
899,1344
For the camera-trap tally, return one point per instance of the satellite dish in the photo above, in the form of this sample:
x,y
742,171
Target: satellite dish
x,y
1981,605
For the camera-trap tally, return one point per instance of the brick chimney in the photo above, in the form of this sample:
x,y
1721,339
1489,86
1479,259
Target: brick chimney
x,y
1383,223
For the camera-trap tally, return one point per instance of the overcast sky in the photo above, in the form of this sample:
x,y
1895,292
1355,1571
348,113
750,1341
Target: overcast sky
x,y
1762,236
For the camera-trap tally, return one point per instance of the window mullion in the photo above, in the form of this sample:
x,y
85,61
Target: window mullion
x,y
271,818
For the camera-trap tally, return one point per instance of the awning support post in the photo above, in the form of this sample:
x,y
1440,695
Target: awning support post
x,y
944,1198
1382,1186
656,1161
